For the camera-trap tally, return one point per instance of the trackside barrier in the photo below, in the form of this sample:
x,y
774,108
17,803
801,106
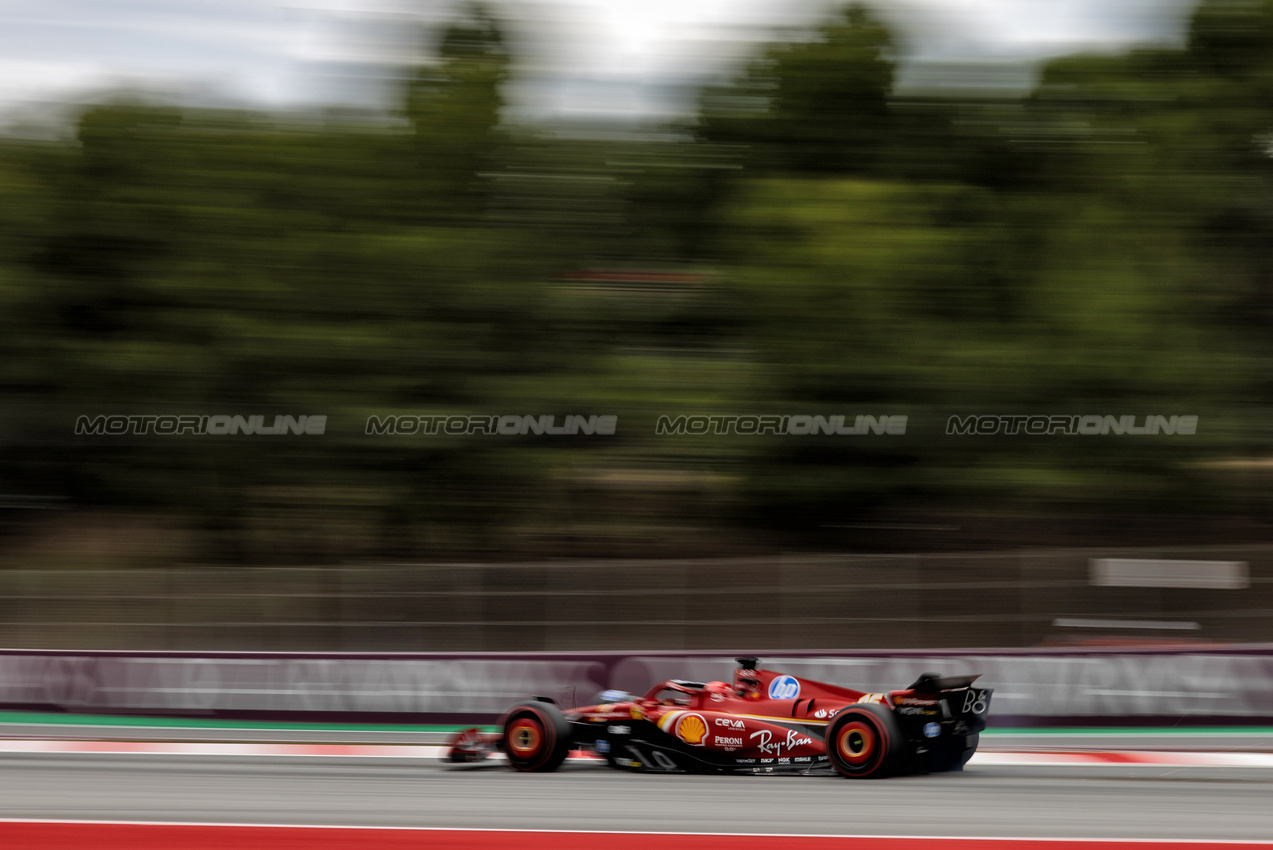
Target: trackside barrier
x,y
1033,687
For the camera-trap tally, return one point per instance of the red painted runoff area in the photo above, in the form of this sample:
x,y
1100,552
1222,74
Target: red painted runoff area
x,y
37,835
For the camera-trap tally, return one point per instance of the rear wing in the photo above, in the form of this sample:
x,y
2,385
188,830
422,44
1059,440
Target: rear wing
x,y
954,696
929,683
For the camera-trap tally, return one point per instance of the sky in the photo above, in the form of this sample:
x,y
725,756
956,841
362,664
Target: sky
x,y
578,59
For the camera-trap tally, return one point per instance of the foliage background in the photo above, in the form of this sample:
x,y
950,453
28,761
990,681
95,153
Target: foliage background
x,y
808,242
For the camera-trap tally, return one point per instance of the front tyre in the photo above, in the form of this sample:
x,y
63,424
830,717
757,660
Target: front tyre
x,y
536,736
863,742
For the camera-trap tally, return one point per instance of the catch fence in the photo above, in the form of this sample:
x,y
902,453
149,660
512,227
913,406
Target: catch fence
x,y
988,599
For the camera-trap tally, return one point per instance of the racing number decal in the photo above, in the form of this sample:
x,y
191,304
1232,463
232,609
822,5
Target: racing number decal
x,y
662,760
975,702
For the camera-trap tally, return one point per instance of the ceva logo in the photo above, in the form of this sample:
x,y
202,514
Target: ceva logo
x,y
784,687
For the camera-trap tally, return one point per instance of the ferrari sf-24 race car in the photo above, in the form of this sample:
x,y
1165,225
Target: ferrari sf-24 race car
x,y
764,722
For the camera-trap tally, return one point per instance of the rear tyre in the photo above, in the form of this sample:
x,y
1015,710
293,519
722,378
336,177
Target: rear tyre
x,y
969,750
863,742
536,736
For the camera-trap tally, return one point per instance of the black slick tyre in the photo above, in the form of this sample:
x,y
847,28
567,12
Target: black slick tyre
x,y
536,736
970,750
863,742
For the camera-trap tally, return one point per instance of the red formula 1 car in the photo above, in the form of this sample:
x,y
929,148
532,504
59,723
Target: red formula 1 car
x,y
764,722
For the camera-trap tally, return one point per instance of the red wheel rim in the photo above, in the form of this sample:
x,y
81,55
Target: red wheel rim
x,y
856,742
525,737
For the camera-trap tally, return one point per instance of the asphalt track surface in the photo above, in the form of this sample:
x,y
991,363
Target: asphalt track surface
x,y
1250,739
1044,802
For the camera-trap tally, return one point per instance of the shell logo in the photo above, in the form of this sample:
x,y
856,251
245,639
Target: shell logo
x,y
692,729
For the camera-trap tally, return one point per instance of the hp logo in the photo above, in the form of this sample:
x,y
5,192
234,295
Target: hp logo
x,y
784,687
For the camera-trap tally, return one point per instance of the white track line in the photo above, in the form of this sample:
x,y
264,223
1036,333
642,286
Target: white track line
x,y
210,748
1124,758
1108,758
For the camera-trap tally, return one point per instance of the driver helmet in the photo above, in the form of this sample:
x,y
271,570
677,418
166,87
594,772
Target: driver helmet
x,y
717,691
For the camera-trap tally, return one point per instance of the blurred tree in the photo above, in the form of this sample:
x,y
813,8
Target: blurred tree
x,y
1232,38
454,104
1231,47
817,106
811,243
